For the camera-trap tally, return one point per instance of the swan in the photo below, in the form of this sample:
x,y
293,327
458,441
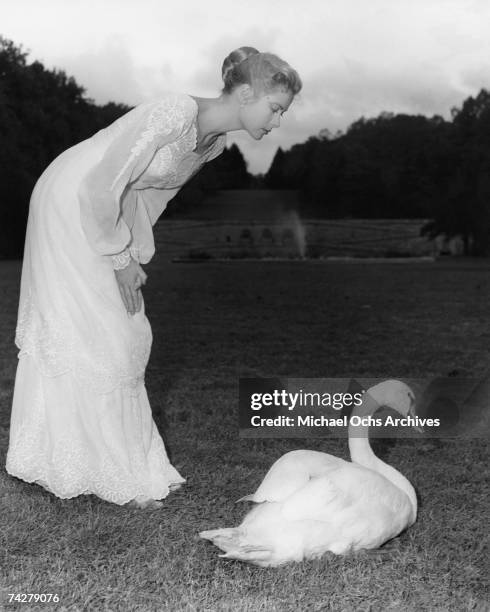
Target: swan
x,y
311,502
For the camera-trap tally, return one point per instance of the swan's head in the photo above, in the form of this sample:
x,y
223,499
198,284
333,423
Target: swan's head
x,y
394,394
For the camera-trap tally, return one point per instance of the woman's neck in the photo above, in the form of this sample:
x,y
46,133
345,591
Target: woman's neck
x,y
215,116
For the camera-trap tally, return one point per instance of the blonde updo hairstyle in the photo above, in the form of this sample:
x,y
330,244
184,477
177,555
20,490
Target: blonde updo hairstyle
x,y
264,72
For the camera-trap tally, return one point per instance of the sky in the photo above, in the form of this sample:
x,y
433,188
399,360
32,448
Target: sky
x,y
355,57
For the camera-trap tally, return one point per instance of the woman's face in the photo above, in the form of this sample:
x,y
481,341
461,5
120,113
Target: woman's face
x,y
263,113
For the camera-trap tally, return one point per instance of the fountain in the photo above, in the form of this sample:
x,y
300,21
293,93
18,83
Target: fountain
x,y
299,234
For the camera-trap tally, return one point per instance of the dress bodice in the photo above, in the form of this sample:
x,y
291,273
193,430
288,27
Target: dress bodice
x,y
143,158
177,161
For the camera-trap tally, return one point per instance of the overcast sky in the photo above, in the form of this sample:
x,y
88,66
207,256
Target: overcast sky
x,y
356,57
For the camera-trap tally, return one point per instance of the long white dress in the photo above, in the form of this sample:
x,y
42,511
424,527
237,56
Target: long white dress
x,y
81,421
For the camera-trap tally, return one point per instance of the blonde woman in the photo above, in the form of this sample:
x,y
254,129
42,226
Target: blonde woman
x,y
81,422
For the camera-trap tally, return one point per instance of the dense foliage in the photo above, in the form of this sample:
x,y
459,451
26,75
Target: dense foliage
x,y
42,112
399,166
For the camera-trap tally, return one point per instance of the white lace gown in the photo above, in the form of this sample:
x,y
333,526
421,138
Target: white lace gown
x,y
81,421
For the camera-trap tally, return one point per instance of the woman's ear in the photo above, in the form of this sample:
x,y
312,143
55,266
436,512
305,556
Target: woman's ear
x,y
245,94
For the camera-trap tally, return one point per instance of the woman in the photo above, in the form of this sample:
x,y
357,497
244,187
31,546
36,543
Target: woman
x,y
81,421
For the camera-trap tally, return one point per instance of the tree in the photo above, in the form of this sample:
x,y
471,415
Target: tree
x,y
275,177
42,113
465,211
388,166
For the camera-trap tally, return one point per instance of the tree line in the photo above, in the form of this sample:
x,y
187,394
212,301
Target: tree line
x,y
391,166
399,166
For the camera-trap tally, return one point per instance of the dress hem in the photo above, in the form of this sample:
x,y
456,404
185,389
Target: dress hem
x,y
120,501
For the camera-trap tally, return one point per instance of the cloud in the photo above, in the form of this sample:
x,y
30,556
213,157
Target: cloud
x,y
107,73
110,73
342,93
476,77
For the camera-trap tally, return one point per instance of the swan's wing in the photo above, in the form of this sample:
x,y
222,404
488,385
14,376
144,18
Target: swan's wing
x,y
292,472
321,498
352,497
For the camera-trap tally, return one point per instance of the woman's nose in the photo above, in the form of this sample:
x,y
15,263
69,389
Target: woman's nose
x,y
276,121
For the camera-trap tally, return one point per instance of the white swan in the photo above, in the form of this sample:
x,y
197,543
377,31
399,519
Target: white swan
x,y
311,502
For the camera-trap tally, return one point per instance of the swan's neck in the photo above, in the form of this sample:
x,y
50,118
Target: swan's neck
x,y
362,453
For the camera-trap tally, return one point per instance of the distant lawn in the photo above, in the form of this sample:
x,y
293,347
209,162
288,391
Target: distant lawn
x,y
213,323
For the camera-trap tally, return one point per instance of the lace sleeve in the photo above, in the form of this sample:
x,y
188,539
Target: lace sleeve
x,y
107,205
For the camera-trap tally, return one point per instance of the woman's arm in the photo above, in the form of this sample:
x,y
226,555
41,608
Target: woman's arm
x,y
107,202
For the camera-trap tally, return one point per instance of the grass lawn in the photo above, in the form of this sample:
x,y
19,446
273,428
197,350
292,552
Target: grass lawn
x,y
213,323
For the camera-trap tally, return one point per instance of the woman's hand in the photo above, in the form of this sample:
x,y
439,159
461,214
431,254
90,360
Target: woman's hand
x,y
130,279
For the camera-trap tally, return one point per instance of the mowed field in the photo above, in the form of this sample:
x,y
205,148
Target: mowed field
x,y
214,323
